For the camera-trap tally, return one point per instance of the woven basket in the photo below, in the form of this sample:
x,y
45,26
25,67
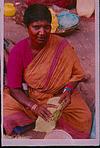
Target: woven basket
x,y
67,31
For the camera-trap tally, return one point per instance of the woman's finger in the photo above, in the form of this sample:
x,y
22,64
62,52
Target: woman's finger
x,y
66,102
47,112
44,112
44,116
61,99
52,106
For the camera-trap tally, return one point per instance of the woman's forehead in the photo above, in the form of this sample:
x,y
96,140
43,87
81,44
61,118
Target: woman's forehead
x,y
40,22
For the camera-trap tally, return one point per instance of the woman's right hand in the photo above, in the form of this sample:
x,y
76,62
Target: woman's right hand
x,y
42,111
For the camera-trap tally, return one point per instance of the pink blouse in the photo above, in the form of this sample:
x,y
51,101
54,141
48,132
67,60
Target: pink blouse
x,y
20,56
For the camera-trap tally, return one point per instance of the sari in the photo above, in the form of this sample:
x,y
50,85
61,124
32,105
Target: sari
x,y
51,69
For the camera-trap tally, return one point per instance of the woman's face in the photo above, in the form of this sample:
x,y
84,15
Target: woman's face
x,y
39,32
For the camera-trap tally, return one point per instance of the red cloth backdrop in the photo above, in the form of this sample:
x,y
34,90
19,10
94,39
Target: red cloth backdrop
x,y
60,3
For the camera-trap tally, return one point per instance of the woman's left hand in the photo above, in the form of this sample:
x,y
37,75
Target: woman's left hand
x,y
65,99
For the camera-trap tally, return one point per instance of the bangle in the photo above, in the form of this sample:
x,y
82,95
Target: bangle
x,y
34,107
67,89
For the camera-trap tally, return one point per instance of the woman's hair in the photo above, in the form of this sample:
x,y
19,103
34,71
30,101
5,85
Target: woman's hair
x,y
37,12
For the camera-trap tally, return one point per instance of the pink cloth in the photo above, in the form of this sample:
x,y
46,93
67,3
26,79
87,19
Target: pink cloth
x,y
20,56
60,3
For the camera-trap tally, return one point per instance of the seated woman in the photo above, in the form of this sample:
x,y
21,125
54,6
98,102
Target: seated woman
x,y
49,66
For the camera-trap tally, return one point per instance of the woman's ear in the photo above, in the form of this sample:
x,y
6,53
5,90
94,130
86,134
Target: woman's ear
x,y
26,29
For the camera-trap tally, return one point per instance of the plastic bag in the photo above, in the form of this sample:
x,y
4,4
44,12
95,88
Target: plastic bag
x,y
45,126
85,8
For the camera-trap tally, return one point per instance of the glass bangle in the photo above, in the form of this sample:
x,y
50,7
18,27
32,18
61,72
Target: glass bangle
x,y
67,89
34,107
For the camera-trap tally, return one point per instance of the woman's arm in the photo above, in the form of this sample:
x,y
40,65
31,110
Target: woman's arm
x,y
77,76
21,97
65,97
33,105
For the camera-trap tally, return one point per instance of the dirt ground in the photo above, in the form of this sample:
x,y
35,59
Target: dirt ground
x,y
83,39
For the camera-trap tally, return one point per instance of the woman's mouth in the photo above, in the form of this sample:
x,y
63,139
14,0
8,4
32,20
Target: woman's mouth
x,y
41,39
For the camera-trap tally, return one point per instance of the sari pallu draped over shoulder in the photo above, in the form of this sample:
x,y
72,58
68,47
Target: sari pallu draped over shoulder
x,y
53,67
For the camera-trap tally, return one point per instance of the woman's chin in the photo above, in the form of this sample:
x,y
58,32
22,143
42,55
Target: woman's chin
x,y
41,42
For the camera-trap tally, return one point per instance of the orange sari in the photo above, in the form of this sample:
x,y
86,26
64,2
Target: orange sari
x,y
52,68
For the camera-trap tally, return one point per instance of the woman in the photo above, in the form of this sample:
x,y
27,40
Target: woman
x,y
50,67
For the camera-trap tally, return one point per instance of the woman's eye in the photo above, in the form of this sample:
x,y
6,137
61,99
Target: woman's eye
x,y
39,27
47,27
36,27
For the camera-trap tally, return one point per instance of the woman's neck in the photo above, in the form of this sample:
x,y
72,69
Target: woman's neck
x,y
36,46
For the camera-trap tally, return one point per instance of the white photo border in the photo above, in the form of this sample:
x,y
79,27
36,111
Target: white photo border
x,y
52,142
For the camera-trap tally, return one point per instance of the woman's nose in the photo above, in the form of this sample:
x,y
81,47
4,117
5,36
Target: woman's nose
x,y
42,31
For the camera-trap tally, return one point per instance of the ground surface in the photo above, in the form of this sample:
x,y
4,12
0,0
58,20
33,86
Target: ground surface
x,y
82,39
